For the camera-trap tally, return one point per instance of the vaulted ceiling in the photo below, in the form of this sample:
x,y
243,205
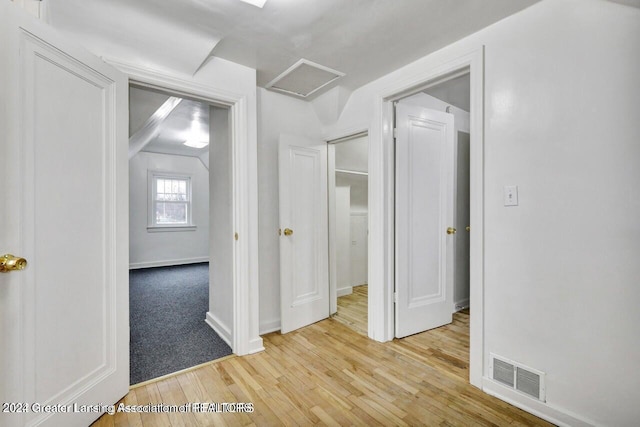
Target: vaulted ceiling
x,y
364,39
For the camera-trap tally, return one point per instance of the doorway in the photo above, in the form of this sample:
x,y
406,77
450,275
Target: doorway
x,y
349,206
432,205
174,227
382,197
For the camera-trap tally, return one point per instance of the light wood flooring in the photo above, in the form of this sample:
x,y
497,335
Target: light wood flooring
x,y
327,374
352,309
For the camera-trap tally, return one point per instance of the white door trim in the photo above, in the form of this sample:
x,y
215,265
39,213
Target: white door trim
x,y
245,338
381,200
333,262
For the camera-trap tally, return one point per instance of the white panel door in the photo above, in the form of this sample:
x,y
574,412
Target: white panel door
x,y
304,242
424,211
64,325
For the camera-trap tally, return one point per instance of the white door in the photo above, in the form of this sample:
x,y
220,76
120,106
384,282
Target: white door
x,y
64,327
424,211
304,239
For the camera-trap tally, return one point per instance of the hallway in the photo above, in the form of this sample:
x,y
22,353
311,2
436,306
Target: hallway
x,y
328,374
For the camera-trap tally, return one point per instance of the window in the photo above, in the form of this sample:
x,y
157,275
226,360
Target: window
x,y
169,202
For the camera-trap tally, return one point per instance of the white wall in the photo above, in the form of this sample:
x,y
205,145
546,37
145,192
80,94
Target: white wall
x,y
220,314
353,154
30,6
343,241
151,249
278,114
561,269
358,244
359,185
461,281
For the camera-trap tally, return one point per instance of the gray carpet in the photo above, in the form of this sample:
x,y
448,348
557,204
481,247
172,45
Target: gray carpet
x,y
168,306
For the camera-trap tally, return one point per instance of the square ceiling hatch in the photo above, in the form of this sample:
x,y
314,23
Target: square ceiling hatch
x,y
304,78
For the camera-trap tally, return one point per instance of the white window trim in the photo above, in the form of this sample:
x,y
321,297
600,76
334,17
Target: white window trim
x,y
152,227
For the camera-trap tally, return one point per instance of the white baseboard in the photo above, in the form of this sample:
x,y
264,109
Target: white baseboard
x,y
269,326
543,410
344,291
168,262
223,331
256,346
460,305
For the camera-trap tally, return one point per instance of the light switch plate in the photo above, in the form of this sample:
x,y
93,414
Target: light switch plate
x,y
511,195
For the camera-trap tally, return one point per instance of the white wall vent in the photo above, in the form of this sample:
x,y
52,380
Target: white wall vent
x,y
304,78
503,372
518,377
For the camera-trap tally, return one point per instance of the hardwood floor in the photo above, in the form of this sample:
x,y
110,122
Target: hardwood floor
x,y
352,310
326,374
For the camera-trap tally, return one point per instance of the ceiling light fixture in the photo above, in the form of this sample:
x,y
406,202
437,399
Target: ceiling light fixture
x,y
258,3
196,143
197,137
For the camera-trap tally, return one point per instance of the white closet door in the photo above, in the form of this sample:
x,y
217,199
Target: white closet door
x,y
424,212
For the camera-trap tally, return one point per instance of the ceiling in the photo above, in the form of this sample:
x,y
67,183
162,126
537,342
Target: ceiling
x,y
365,39
633,3
455,92
169,135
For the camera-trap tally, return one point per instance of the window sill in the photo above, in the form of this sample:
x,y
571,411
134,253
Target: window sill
x,y
170,228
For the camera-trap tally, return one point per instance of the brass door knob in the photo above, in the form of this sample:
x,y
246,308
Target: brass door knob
x,y
9,263
451,230
288,232
468,228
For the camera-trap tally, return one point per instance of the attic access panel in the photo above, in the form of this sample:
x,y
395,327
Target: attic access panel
x,y
304,78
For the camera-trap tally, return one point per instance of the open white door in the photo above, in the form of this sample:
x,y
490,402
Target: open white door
x,y
304,245
64,327
424,212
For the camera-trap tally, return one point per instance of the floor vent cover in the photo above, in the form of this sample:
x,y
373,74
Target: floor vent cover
x,y
518,377
304,78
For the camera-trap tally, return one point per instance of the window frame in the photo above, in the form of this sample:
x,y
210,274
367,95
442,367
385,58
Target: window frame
x,y
152,226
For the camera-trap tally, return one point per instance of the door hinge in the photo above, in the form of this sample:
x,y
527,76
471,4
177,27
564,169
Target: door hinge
x,y
236,236
395,132
395,297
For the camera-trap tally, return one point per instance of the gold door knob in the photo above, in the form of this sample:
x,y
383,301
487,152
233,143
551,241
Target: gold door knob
x,y
288,232
9,263
451,230
468,228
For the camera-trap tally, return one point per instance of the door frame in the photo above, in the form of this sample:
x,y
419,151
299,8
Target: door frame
x,y
331,193
245,325
382,199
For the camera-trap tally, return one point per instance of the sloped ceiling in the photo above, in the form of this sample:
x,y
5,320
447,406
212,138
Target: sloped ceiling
x,y
455,92
633,3
363,38
173,130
